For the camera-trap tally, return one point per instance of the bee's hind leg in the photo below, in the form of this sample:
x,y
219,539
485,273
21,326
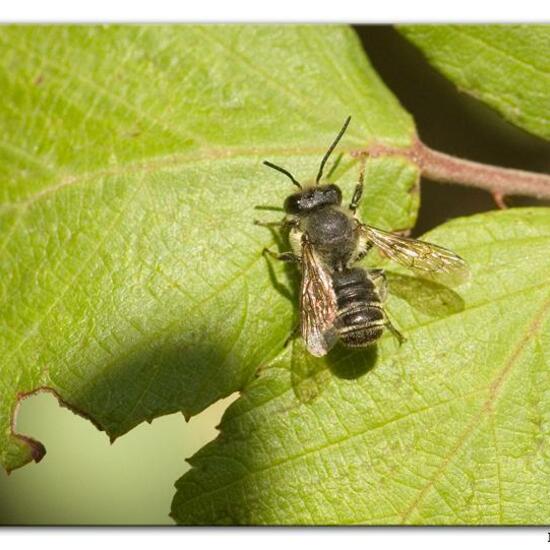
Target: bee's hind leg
x,y
378,277
391,327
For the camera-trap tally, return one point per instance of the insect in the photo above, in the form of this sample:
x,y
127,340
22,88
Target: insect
x,y
338,300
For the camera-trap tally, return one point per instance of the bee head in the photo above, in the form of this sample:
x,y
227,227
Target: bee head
x,y
312,198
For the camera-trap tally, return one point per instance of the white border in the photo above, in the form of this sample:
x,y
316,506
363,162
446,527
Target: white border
x,y
351,11
276,538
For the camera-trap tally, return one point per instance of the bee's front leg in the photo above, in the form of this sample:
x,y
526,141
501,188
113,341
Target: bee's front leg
x,y
282,256
284,223
269,224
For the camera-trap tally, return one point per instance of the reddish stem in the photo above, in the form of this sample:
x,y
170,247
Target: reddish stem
x,y
448,169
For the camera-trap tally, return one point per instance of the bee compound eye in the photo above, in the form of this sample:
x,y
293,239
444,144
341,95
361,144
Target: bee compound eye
x,y
335,193
292,204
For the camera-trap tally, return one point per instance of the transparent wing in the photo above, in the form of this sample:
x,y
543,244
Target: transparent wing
x,y
428,260
317,304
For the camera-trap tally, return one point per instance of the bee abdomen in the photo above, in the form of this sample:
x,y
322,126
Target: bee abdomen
x,y
360,325
360,319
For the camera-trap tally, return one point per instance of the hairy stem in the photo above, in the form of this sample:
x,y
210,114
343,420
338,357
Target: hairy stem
x,y
448,169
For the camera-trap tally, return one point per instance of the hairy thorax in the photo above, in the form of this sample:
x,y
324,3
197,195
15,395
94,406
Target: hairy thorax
x,y
332,233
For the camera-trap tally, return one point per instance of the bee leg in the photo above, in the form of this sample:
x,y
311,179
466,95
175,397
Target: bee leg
x,y
281,288
358,192
362,254
268,224
283,256
281,223
285,222
378,277
363,246
401,339
356,199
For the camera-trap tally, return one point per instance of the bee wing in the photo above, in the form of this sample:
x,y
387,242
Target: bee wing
x,y
317,304
428,260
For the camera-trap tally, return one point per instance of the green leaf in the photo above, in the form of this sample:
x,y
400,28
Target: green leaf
x,y
451,428
506,66
131,277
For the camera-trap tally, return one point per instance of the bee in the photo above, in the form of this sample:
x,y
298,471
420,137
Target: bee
x,y
338,300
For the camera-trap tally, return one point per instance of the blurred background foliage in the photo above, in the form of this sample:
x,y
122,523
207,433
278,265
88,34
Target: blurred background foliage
x,y
85,480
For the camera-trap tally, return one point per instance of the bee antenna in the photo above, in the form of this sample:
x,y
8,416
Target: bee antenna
x,y
330,149
283,171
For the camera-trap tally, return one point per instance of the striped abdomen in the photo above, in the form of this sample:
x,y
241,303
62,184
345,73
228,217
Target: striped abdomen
x,y
360,320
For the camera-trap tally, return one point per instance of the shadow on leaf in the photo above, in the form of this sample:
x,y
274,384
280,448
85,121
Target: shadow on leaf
x,y
434,299
311,375
291,270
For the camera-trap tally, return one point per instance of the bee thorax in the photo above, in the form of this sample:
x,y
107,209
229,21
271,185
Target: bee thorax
x,y
327,225
332,233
